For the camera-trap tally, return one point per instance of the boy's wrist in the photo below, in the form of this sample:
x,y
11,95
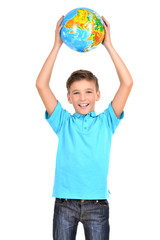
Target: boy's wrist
x,y
56,47
108,47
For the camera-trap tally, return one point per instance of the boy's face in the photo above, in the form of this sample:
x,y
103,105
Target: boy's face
x,y
83,92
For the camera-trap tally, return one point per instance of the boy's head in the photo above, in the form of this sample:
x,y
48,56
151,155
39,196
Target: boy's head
x,y
83,91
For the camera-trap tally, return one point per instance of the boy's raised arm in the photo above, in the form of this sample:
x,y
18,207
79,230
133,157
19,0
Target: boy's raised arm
x,y
125,78
43,79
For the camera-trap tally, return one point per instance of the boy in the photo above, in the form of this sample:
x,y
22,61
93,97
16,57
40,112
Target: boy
x,y
80,184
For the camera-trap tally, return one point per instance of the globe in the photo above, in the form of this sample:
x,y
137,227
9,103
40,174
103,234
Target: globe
x,y
82,29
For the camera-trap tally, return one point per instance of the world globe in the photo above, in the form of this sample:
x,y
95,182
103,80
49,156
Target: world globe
x,y
82,29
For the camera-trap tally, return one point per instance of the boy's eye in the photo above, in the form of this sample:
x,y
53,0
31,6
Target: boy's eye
x,y
78,92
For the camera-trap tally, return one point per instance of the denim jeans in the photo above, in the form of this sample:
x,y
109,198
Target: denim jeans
x,y
93,214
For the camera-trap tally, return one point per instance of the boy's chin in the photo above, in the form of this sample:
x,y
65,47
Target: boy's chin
x,y
83,111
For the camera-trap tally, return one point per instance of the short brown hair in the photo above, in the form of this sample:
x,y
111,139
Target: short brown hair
x,y
79,75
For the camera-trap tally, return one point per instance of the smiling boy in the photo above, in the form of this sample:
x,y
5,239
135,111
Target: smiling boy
x,y
82,161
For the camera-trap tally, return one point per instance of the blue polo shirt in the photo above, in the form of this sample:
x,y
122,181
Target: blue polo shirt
x,y
83,152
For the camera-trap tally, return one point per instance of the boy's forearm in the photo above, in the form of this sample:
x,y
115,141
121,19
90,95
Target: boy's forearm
x,y
44,76
122,71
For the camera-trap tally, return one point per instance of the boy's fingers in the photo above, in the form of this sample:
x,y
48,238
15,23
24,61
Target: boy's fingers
x,y
105,19
59,21
60,28
106,22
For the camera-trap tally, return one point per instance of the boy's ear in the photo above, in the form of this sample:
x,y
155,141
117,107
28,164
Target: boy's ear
x,y
68,97
98,95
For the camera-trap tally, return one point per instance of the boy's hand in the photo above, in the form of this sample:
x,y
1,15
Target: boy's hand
x,y
107,39
58,40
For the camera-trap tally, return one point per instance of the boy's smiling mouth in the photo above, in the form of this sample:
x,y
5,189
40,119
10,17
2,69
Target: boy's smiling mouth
x,y
83,105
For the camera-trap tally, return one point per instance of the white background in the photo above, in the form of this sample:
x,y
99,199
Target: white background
x,y
29,145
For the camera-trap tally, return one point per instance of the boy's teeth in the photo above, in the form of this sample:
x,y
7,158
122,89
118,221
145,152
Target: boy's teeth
x,y
83,105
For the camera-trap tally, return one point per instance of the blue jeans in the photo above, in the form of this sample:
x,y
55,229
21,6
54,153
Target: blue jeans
x,y
93,214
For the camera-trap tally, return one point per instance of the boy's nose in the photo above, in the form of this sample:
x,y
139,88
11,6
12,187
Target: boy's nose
x,y
82,97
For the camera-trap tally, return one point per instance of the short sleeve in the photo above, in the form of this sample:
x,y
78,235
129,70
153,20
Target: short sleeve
x,y
58,118
112,119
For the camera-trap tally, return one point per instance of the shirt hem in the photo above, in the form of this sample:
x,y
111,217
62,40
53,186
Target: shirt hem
x,y
81,197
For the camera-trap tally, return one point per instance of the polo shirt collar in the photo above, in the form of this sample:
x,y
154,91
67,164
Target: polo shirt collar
x,y
90,114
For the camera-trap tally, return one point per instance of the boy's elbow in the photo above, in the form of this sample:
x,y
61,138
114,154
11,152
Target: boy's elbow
x,y
41,85
38,85
130,83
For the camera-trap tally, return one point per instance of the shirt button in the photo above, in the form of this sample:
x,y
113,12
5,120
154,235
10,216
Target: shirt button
x,y
85,128
85,120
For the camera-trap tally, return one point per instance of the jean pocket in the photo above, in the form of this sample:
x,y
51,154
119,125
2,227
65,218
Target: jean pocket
x,y
103,203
